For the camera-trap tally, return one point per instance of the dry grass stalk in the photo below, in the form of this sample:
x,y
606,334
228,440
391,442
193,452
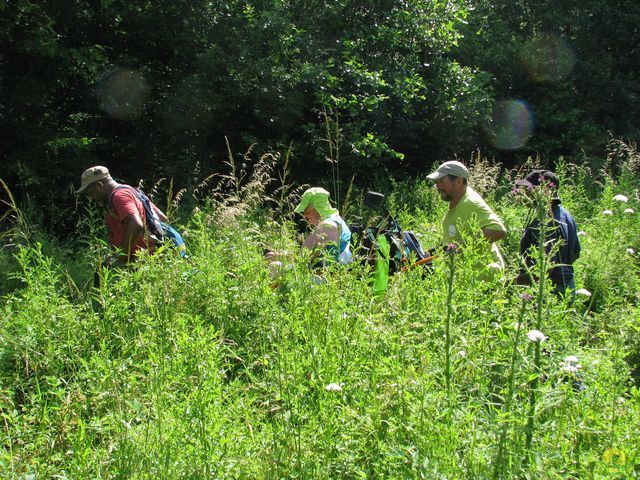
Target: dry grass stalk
x,y
483,174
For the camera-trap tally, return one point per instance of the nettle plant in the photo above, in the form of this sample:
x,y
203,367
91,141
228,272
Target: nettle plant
x,y
540,202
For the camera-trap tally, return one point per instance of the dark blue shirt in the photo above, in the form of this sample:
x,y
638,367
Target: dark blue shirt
x,y
562,229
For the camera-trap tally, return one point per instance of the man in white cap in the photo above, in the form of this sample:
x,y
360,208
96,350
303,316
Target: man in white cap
x,y
125,218
466,208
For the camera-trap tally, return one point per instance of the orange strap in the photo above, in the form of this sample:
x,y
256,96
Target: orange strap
x,y
419,262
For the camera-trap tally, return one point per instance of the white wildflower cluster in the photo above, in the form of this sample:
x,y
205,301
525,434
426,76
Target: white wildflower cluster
x,y
536,336
333,387
622,199
570,365
584,292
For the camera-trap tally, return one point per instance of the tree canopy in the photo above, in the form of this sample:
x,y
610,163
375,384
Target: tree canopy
x,y
151,89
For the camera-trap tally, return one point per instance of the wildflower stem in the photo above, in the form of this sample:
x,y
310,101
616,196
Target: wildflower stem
x,y
447,352
542,207
499,465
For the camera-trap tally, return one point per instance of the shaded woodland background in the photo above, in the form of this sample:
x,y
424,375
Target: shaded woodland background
x,y
152,88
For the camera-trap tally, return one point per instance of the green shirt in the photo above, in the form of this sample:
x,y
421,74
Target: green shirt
x,y
471,210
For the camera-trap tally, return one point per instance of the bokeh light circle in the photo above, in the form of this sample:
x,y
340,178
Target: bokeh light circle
x,y
510,126
122,93
547,58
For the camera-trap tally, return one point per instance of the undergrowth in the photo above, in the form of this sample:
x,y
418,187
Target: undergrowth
x,y
201,369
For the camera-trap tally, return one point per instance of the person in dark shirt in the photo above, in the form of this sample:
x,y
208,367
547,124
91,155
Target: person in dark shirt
x,y
561,233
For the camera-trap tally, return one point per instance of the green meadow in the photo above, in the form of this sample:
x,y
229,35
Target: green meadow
x,y
205,368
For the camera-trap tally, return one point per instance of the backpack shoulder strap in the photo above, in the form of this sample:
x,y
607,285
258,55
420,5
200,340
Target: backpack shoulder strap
x,y
150,218
120,187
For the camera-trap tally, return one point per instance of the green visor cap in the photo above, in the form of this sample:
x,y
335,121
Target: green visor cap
x,y
319,199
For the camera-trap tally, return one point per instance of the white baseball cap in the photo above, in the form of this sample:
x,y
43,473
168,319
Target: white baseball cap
x,y
452,167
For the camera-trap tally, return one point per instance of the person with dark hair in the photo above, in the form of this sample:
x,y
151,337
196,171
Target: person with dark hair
x,y
561,234
466,206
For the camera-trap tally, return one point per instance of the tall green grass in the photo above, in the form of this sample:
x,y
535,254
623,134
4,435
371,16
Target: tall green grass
x,y
199,369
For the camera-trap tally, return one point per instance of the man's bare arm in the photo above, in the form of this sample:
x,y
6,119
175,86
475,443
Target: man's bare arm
x,y
133,228
493,235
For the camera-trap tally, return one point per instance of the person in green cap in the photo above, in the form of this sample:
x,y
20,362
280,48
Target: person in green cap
x,y
330,236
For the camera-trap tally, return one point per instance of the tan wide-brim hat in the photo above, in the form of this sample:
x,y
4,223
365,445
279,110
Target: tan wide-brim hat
x,y
91,175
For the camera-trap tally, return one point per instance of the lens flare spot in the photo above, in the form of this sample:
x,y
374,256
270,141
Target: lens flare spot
x,y
510,125
122,93
547,58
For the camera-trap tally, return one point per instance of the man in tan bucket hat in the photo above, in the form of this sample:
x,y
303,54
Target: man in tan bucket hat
x,y
92,175
125,217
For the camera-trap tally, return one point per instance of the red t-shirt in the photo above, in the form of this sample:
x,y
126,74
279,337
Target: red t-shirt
x,y
124,203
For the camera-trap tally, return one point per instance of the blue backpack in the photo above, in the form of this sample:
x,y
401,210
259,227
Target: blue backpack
x,y
412,245
156,228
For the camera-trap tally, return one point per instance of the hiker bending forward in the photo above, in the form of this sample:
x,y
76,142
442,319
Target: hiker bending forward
x,y
330,237
125,217
561,237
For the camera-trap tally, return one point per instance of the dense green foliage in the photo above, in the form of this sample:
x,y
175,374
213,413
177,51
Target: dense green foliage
x,y
573,62
151,89
200,369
